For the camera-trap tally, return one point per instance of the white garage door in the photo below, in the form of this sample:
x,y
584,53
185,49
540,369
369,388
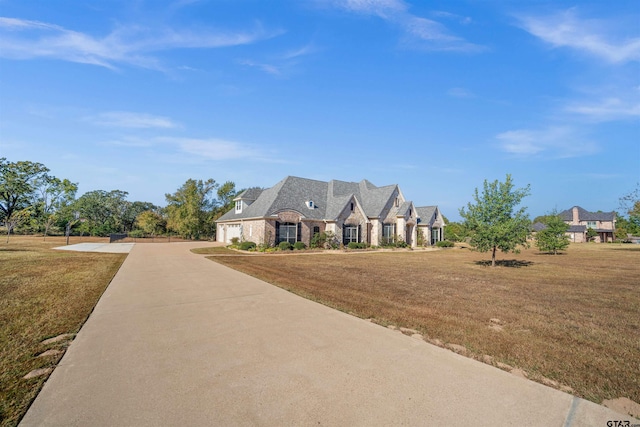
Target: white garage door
x,y
233,230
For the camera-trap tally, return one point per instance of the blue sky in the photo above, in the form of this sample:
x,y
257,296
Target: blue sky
x,y
434,96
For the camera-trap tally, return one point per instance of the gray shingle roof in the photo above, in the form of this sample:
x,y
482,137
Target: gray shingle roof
x,y
429,215
426,213
585,215
329,198
249,194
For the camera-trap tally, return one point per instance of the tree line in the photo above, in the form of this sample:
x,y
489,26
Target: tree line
x,y
34,201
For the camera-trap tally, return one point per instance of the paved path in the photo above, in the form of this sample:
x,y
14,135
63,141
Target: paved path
x,y
114,248
178,340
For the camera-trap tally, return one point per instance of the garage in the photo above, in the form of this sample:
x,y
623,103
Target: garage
x,y
231,231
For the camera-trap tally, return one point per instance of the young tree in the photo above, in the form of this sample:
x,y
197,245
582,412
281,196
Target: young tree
x,y
554,237
493,221
189,208
16,218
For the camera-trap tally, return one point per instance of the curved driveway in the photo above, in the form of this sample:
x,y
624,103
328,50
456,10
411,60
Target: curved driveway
x,y
178,340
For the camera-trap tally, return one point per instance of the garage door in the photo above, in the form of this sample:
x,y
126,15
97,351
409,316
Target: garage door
x,y
233,230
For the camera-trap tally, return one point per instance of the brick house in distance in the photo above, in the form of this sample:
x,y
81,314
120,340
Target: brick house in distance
x,y
295,209
579,220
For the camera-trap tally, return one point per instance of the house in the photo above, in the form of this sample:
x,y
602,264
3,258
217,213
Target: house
x,y
580,220
295,209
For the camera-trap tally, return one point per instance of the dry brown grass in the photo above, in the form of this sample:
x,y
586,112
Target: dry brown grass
x,y
43,293
572,318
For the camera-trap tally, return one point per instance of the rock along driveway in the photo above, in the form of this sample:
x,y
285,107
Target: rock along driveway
x,y
179,340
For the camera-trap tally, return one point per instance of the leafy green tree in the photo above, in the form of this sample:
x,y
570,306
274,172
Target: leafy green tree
x,y
226,193
131,212
17,185
103,211
630,204
554,237
591,233
52,195
455,232
626,227
151,222
189,209
494,222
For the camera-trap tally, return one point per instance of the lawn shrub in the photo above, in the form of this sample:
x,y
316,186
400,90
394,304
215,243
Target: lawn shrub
x,y
444,244
136,234
285,246
325,240
299,246
247,246
356,245
235,241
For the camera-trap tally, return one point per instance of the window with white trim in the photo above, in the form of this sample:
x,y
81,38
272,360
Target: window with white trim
x,y
238,206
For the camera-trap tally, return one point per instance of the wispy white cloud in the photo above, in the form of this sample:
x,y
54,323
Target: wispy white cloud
x,y
459,18
385,9
267,68
126,119
554,142
132,45
216,149
603,39
607,109
281,64
459,92
195,149
420,32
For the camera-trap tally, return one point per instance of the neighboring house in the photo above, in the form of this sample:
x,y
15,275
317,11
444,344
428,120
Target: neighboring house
x,y
295,209
579,220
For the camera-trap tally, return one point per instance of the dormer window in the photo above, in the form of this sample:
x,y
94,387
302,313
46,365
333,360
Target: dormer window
x,y
310,204
238,206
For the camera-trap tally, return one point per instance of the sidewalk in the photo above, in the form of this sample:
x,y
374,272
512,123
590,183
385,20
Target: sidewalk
x,y
180,340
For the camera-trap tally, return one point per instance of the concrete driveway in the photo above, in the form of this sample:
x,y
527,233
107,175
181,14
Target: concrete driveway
x,y
179,340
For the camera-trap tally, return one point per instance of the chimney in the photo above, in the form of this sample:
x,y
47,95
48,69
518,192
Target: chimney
x,y
576,217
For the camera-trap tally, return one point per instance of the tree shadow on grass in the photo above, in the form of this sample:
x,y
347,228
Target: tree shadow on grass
x,y
630,248
512,263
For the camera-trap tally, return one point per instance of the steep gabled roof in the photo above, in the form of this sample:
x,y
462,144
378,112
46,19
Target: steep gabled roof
x,y
426,213
585,215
